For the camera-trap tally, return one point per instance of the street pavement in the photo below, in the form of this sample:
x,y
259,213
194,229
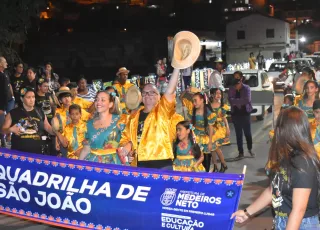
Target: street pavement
x,y
255,181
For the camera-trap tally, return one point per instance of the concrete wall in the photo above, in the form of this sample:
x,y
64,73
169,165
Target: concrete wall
x,y
255,27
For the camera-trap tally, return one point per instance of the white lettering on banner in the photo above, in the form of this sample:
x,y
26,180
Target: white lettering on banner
x,y
22,194
140,195
55,180
104,189
37,177
25,177
2,173
70,186
62,183
172,221
85,186
54,201
187,199
25,199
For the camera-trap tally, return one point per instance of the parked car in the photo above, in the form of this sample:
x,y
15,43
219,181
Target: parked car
x,y
315,58
262,93
274,71
316,53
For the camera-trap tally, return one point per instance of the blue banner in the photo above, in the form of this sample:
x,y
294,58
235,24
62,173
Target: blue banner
x,y
85,195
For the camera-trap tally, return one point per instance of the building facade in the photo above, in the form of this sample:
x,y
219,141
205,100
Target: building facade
x,y
255,33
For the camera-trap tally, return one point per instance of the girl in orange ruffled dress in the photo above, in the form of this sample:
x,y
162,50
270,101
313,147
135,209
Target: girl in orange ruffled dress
x,y
187,153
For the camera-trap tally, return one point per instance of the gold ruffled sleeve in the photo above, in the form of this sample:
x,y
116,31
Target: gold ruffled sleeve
x,y
85,116
165,108
225,109
84,103
212,117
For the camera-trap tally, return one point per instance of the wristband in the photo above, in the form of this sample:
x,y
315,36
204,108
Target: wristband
x,y
247,214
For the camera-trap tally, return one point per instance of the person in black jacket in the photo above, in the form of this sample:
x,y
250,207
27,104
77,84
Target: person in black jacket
x,y
5,94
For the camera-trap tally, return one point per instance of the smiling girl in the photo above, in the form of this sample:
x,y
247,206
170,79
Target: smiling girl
x,y
187,153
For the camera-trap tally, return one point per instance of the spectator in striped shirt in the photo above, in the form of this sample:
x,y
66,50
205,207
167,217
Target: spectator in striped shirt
x,y
85,91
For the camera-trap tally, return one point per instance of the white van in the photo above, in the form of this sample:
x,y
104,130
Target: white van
x,y
262,93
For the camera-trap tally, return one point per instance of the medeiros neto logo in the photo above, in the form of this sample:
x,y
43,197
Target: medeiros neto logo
x,y
167,198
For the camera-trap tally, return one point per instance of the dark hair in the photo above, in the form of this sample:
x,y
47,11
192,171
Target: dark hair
x,y
48,63
195,148
81,78
239,73
213,92
63,80
72,85
18,63
75,107
310,72
292,137
205,110
113,88
24,91
305,96
32,69
289,97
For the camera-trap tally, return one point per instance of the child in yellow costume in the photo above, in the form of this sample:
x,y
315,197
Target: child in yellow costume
x,y
187,154
310,94
74,133
221,128
203,119
315,126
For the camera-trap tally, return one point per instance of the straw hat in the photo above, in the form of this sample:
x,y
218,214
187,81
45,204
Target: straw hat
x,y
186,50
122,70
133,98
219,60
63,90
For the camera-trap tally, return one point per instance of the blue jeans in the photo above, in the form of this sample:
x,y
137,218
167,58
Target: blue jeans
x,y
309,223
10,105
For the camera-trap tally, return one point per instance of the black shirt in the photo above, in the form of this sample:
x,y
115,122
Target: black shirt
x,y
142,118
32,84
43,102
242,111
303,176
16,83
4,91
33,124
154,163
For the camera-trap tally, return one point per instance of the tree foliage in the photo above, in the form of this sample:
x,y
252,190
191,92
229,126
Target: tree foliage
x,y
15,20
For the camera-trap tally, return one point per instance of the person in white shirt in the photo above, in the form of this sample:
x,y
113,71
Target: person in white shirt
x,y
216,78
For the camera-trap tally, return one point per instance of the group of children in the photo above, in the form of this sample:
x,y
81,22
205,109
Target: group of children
x,y
309,102
211,129
197,141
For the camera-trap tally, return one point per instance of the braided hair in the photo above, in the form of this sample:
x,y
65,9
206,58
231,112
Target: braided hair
x,y
213,92
205,111
195,148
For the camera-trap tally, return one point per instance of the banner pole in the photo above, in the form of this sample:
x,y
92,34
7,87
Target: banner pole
x,y
244,170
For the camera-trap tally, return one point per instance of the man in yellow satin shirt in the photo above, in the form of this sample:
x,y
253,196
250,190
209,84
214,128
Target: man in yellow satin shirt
x,y
148,130
122,85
